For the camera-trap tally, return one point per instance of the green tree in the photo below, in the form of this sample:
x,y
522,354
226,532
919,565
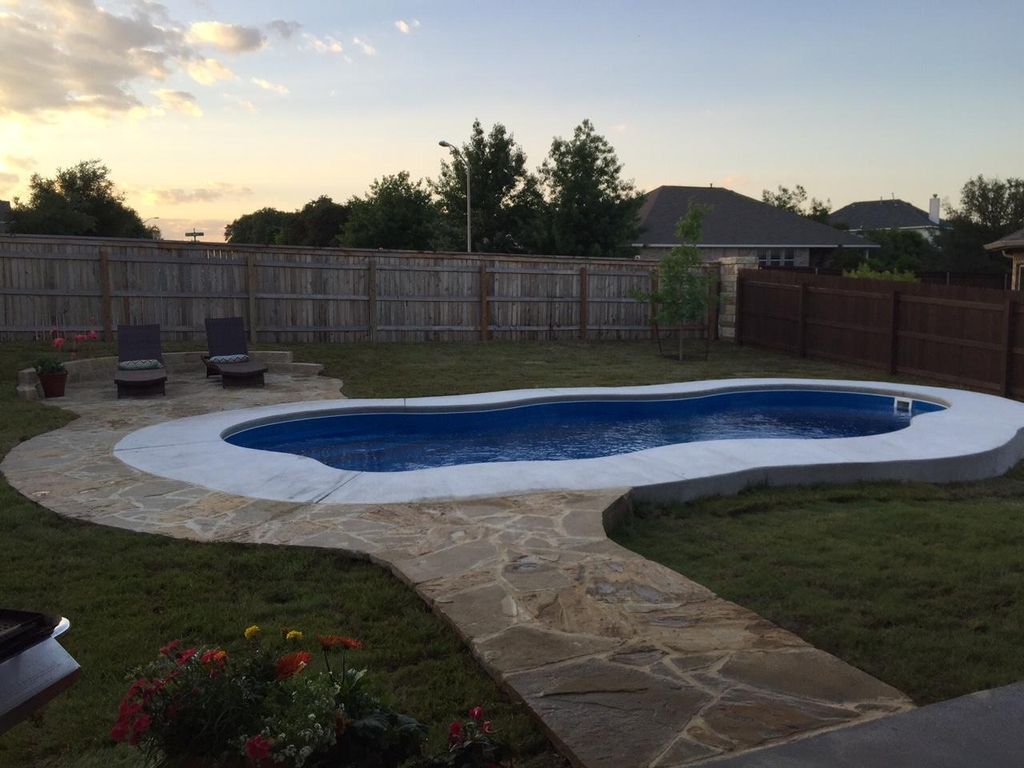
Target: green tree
x,y
683,294
505,196
591,210
795,201
901,251
262,227
319,223
989,209
396,213
80,200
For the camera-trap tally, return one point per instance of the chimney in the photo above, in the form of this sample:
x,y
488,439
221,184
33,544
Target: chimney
x,y
933,209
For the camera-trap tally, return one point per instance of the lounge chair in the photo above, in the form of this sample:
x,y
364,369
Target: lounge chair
x,y
229,354
140,361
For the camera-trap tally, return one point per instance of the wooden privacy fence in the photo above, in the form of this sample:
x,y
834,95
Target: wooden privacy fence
x,y
305,295
965,336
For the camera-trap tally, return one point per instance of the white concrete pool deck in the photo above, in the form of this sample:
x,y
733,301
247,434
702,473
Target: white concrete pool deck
x,y
977,436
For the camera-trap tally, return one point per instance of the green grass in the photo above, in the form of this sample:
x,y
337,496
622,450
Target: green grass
x,y
920,585
128,593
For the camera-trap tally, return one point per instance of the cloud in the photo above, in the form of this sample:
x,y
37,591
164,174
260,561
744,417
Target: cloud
x,y
8,181
177,101
366,48
407,27
325,45
284,29
232,38
22,163
281,90
179,196
208,71
240,102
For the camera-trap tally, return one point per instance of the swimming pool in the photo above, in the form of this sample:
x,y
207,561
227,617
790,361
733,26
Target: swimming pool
x,y
973,437
405,440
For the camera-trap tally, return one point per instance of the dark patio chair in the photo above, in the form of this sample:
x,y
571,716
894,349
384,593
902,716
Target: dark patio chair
x,y
140,361
229,354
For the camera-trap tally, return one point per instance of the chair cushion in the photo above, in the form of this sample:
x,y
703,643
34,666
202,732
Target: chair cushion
x,y
139,365
229,359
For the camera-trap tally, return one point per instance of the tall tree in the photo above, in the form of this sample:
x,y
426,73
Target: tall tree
x,y
80,200
795,201
504,195
319,223
989,209
262,227
396,213
591,210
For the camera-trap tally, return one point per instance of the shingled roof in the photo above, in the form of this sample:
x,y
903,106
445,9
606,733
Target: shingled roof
x,y
1011,242
735,220
881,214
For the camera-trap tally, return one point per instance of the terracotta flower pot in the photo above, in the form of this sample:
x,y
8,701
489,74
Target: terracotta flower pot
x,y
53,383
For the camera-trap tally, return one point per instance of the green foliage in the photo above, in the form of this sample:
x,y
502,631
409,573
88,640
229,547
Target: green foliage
x,y
262,227
866,271
989,209
795,201
505,199
901,251
80,200
591,211
318,224
396,213
49,365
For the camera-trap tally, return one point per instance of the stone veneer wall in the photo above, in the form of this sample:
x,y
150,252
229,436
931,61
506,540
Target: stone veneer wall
x,y
730,268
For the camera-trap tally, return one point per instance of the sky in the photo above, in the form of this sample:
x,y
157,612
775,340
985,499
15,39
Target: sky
x,y
205,110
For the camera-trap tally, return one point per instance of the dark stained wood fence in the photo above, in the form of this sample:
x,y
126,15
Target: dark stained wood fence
x,y
965,336
305,295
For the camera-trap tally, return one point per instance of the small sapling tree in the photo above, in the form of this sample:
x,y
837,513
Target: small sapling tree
x,y
683,294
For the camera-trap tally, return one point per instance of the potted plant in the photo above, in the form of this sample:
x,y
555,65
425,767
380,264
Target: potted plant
x,y
52,376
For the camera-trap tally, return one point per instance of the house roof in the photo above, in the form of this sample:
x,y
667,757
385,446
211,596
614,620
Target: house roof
x,y
735,220
1011,242
881,214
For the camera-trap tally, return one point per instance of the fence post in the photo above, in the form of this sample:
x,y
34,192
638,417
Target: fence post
x,y
485,309
371,297
738,321
250,289
584,302
1009,323
714,286
894,315
801,309
106,310
654,304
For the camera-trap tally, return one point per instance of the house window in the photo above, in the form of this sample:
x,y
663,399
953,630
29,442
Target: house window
x,y
775,257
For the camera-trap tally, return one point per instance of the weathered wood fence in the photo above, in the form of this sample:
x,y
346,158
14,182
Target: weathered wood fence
x,y
965,336
304,295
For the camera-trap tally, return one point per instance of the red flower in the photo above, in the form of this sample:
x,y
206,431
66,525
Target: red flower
x,y
93,335
59,342
456,735
80,337
185,656
257,747
291,664
477,713
214,660
330,642
141,724
488,726
169,649
120,731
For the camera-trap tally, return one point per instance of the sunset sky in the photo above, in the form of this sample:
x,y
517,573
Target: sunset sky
x,y
207,110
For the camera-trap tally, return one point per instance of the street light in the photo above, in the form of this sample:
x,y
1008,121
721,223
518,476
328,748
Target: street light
x,y
465,161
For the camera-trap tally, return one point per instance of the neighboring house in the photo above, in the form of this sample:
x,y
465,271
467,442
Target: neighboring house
x,y
736,225
889,214
1012,246
5,215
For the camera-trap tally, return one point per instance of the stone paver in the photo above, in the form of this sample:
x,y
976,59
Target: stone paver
x,y
626,663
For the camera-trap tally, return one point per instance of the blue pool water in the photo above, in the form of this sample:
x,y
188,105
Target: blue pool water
x,y
581,429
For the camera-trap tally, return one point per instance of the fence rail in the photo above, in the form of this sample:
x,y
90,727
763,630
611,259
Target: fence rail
x,y
962,335
308,295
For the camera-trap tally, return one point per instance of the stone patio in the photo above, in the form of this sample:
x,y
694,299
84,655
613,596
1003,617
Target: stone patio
x,y
627,664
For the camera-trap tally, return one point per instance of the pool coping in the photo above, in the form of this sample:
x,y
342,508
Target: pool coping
x,y
977,436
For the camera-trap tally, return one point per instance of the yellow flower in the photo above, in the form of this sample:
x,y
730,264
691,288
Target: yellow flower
x,y
251,633
293,634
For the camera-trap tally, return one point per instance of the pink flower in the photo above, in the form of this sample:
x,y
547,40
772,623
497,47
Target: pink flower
x,y
257,747
477,713
455,734
80,337
487,727
93,335
59,342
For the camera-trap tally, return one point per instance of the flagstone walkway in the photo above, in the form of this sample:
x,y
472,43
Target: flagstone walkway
x,y
627,664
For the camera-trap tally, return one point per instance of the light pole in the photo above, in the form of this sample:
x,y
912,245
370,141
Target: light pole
x,y
465,161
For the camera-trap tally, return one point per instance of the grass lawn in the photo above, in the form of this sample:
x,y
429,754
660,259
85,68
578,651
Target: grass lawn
x,y
128,593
